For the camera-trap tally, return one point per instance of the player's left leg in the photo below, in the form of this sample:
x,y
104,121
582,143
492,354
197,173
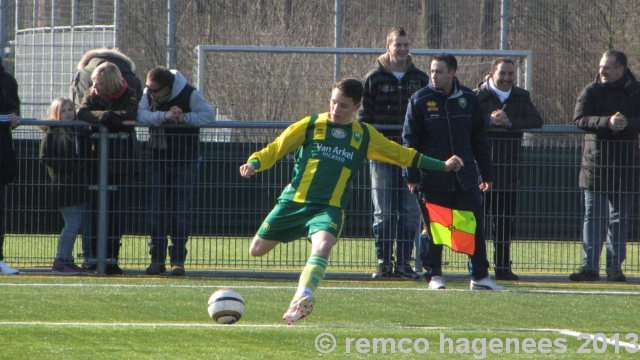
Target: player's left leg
x,y
260,246
314,271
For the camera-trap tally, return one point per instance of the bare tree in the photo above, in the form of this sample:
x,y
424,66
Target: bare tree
x,y
430,21
487,32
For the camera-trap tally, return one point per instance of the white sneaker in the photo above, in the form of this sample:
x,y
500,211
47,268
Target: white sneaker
x,y
299,308
437,283
5,269
484,284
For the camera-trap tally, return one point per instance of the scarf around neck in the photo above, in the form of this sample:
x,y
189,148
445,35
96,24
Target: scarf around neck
x,y
502,95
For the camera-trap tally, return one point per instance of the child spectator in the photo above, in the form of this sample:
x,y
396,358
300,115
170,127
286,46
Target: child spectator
x,y
64,151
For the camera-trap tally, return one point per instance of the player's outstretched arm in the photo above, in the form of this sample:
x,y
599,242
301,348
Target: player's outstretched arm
x,y
454,163
247,170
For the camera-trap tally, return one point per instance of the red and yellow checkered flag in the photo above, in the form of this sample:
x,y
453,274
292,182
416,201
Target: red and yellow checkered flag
x,y
453,228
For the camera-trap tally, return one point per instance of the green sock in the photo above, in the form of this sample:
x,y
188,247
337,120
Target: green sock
x,y
312,274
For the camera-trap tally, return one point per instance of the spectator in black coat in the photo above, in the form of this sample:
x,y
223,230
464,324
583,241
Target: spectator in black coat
x,y
508,107
9,112
608,109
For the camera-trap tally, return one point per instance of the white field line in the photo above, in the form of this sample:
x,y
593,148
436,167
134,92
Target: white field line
x,y
323,288
632,348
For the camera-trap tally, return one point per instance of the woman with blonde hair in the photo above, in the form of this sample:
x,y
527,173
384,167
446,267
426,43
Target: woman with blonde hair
x,y
110,102
65,153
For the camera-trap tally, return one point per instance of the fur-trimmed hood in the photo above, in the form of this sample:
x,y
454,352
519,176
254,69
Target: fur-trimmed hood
x,y
103,53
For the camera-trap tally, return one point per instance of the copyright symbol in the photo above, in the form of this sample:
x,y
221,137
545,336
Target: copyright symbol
x,y
325,343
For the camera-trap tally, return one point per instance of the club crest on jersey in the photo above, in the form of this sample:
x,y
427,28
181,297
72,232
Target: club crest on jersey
x,y
462,102
338,133
357,136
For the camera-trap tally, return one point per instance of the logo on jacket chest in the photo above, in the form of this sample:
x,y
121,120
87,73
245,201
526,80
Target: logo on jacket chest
x,y
462,102
388,88
432,106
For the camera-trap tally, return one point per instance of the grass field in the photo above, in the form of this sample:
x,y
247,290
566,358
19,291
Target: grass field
x,y
349,255
139,317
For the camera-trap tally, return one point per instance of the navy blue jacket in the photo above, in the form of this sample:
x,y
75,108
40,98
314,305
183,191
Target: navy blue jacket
x,y
439,126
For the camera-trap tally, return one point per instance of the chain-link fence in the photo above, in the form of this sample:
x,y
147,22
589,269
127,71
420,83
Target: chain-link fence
x,y
227,209
49,36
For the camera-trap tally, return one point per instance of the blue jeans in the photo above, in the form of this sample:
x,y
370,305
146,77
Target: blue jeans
x,y
470,200
605,214
72,216
169,203
396,214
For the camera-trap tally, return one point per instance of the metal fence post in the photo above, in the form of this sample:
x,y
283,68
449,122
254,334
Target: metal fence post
x,y
504,25
3,23
200,68
103,170
337,73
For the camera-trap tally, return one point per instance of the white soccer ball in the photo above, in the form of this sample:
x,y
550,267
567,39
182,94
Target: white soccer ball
x,y
226,306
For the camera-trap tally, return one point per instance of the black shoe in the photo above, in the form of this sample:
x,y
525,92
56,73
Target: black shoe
x,y
90,266
113,269
384,271
616,277
506,275
406,272
583,275
155,269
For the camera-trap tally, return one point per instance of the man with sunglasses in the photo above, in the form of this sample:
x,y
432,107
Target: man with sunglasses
x,y
173,167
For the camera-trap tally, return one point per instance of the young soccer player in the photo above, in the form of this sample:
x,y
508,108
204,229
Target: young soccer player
x,y
330,149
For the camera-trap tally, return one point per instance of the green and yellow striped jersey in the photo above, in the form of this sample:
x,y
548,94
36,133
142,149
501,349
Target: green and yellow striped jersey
x,y
328,155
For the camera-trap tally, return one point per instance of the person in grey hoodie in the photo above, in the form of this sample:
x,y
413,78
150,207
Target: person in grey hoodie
x,y
169,100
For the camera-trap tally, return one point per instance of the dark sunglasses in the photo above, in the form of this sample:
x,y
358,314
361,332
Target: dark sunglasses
x,y
154,91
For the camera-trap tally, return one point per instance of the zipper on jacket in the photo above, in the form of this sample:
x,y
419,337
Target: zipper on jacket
x,y
446,109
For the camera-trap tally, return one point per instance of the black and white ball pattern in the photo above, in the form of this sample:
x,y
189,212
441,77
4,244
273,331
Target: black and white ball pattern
x,y
226,306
